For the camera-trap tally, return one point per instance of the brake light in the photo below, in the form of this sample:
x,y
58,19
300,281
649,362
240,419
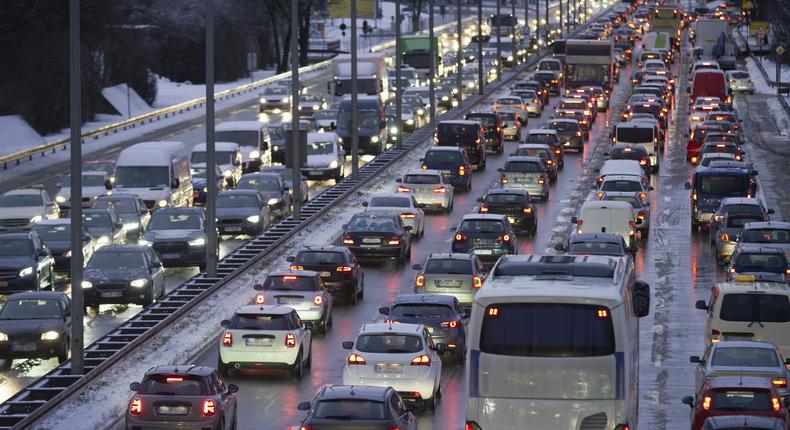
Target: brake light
x,y
641,215
259,299
209,408
779,382
422,360
505,238
714,335
356,359
556,151
461,170
549,162
477,281
578,133
643,162
527,210
424,167
318,300
776,404
503,180
451,324
345,269
347,240
459,237
541,181
643,196
439,190
136,408
402,189
408,215
694,196
289,278
227,340
394,240
290,339
706,403
420,281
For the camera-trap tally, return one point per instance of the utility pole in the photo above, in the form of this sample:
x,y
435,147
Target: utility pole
x,y
211,172
459,84
432,68
354,117
498,41
398,65
480,81
547,27
75,117
296,125
562,25
526,23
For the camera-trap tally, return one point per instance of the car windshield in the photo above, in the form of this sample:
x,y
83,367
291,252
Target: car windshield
x,y
390,202
725,185
766,235
30,309
259,183
419,179
248,138
422,310
61,232
97,219
744,307
389,343
444,157
167,221
142,177
320,257
541,138
366,119
260,322
330,114
276,91
596,248
20,200
87,181
222,157
15,248
482,226
117,260
741,220
350,410
506,199
744,356
237,201
507,116
371,224
448,266
120,205
174,385
290,283
621,186
741,400
523,167
564,126
319,148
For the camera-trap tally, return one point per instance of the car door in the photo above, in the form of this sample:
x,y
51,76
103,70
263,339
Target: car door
x,y
304,334
51,208
157,272
227,400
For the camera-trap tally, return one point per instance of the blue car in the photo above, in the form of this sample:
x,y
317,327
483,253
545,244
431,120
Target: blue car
x,y
453,162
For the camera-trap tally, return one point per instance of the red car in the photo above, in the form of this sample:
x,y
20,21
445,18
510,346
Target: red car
x,y
695,141
735,395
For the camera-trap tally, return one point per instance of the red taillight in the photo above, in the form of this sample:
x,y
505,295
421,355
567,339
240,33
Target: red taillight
x,y
541,181
395,240
290,340
347,240
408,215
439,190
706,403
459,237
423,360
477,281
715,335
527,210
505,238
451,324
420,281
209,408
356,359
779,382
345,269
461,170
643,162
318,300
227,339
402,189
136,408
641,215
503,180
259,299
777,405
483,209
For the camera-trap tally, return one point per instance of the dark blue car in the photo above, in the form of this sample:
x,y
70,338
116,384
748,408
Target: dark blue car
x,y
453,163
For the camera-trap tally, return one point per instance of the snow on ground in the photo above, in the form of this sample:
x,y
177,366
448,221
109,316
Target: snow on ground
x,y
169,93
760,85
125,100
775,108
781,117
16,135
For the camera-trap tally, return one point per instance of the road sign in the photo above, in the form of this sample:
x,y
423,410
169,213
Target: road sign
x,y
755,26
342,9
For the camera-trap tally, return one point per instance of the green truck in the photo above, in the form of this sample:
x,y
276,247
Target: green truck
x,y
415,53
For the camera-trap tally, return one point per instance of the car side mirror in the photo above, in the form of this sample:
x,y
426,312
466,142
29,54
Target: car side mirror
x,y
348,345
559,247
688,400
440,347
175,184
108,184
407,227
308,325
650,188
233,388
687,186
225,323
480,199
134,386
304,406
416,267
701,305
365,204
290,258
641,298
286,190
384,310
575,220
258,287
695,359
452,229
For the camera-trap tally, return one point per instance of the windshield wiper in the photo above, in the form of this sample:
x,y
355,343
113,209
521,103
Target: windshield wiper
x,y
339,417
756,321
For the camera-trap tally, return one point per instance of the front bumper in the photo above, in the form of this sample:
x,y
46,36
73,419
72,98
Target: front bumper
x,y
32,348
182,255
237,226
319,173
119,292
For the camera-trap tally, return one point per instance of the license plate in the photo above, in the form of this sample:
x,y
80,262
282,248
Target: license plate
x,y
3,283
234,228
389,368
450,283
371,240
171,256
24,347
512,219
324,274
172,410
483,251
257,341
111,294
314,173
283,300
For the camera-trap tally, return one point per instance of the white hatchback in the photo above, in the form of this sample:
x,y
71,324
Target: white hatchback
x,y
401,356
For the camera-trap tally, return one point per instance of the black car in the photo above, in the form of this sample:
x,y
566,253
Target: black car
x,y
515,204
123,274
178,236
200,185
468,135
242,212
441,314
378,235
549,80
492,125
336,406
25,263
56,236
287,174
35,324
762,262
485,235
595,244
629,151
105,225
272,189
130,208
337,267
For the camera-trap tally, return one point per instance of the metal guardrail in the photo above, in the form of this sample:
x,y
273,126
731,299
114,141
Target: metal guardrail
x,y
782,100
189,105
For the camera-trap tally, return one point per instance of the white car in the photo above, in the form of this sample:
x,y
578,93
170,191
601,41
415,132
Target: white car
x,y
227,157
325,157
265,337
740,81
401,356
532,102
698,114
512,102
429,188
20,209
302,290
94,184
400,204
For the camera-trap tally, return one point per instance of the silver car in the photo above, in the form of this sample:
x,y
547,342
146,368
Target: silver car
x,y
458,274
429,188
743,358
740,81
774,234
729,231
526,173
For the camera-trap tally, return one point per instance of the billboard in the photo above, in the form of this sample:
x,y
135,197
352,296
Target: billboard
x,y
366,9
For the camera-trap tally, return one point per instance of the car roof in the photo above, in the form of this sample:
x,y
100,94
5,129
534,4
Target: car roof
x,y
37,295
184,369
300,273
261,175
534,146
488,217
218,146
596,237
321,137
125,247
523,158
365,392
452,256
323,248
447,148
424,298
759,249
541,131
180,210
460,122
767,224
741,201
239,192
738,382
56,221
15,235
264,310
239,125
743,344
23,191
423,172
403,328
507,191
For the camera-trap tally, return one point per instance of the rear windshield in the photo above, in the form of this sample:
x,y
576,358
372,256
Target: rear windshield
x,y
371,224
444,157
744,356
741,400
417,310
483,119
174,385
634,135
390,202
755,262
350,409
729,185
506,199
629,154
448,266
523,167
260,322
564,126
481,226
596,248
740,221
720,138
624,186
766,236
457,131
290,283
547,330
755,308
421,179
320,257
541,138
389,343
633,201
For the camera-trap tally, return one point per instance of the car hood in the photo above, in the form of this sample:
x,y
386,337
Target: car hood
x,y
236,212
122,274
30,327
58,246
99,231
172,234
16,262
156,193
199,183
91,192
320,160
21,212
268,194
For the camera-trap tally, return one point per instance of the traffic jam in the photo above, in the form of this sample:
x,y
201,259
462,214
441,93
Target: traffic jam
x,y
511,278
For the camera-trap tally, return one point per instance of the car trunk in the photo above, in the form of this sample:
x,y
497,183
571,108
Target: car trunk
x,y
754,315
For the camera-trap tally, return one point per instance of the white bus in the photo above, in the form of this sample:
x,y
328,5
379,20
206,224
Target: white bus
x,y
553,343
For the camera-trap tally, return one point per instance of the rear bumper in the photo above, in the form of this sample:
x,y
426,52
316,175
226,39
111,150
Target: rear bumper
x,y
135,423
252,360
383,252
423,386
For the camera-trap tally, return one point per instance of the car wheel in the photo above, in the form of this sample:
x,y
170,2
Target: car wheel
x,y
66,353
149,299
222,368
202,267
6,363
309,363
354,295
297,371
362,288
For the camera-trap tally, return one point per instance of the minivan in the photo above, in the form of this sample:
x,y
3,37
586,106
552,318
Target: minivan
x,y
157,172
607,216
253,140
372,135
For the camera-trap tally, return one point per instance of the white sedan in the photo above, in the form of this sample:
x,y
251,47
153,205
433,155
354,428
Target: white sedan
x,y
401,356
400,204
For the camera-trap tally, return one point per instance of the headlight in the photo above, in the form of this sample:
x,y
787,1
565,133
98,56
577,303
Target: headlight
x,y
138,283
27,271
144,242
394,130
274,200
255,154
420,111
316,107
445,98
254,219
470,85
50,335
509,58
60,199
275,148
339,139
131,226
197,242
3,337
86,285
205,189
35,219
103,240
263,100
333,164
227,173
374,139
285,100
410,122
162,203
67,254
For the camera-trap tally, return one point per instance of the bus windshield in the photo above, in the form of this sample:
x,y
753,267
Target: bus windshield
x,y
725,185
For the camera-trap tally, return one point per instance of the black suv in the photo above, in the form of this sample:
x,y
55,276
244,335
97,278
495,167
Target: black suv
x,y
378,236
25,263
337,267
487,236
336,406
178,235
468,135
515,204
492,124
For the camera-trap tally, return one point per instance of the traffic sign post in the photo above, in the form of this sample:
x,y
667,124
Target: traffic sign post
x,y
780,50
760,42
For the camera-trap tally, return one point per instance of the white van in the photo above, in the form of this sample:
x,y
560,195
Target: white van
x,y
748,310
622,167
605,216
638,133
253,140
227,157
157,172
573,362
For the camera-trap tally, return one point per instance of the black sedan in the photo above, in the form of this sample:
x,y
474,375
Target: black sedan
x,y
35,325
272,188
130,208
513,203
377,235
178,236
123,274
105,225
242,212
25,263
56,236
595,244
378,408
485,235
336,265
200,185
628,151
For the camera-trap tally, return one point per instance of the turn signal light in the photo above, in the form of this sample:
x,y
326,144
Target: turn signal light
x,y
347,240
527,210
259,299
318,300
420,281
402,189
461,171
779,382
777,405
706,403
505,238
136,408
451,324
477,281
394,241
483,209
503,180
227,339
408,215
209,408
459,237
439,190
294,267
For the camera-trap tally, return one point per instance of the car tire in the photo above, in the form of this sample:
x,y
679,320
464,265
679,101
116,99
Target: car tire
x,y
362,288
148,300
354,296
309,363
297,371
223,369
202,267
5,364
64,355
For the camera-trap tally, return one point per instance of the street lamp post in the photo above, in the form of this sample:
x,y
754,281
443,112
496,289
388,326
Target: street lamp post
x,y
460,53
498,40
354,100
432,68
296,144
211,173
480,81
398,89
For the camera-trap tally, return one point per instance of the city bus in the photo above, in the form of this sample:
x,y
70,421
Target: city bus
x,y
589,63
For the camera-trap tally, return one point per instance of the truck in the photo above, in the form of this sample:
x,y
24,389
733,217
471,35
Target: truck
x,y
371,75
415,52
589,63
712,41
